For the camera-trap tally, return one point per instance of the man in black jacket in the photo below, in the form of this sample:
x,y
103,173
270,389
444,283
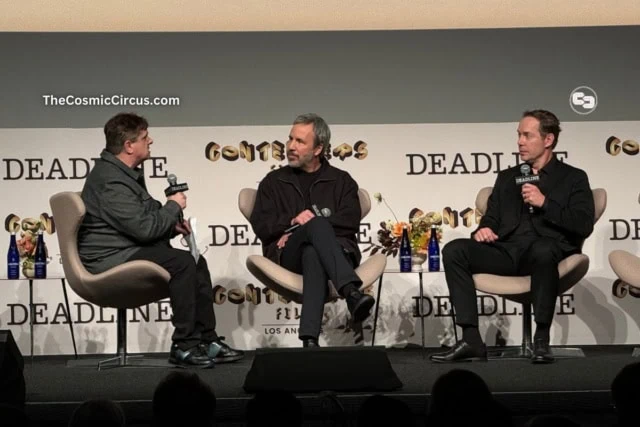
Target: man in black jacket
x,y
124,223
527,230
322,247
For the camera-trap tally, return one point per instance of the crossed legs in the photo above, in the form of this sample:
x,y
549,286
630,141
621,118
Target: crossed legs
x,y
313,251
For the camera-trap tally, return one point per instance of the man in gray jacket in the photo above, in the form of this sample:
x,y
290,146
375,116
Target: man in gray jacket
x,y
124,223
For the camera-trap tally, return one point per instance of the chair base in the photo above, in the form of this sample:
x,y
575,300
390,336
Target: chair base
x,y
521,352
122,361
636,352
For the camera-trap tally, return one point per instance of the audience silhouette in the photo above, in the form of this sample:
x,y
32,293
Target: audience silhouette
x,y
182,398
98,413
462,398
270,408
625,390
382,411
12,415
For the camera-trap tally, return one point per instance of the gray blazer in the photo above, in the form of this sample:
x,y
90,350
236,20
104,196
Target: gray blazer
x,y
121,215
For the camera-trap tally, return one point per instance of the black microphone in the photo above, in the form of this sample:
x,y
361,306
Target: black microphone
x,y
325,212
174,188
527,178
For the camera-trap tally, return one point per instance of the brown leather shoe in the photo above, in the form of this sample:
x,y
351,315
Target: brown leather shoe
x,y
461,352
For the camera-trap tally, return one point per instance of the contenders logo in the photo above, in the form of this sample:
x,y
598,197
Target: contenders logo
x,y
276,150
615,146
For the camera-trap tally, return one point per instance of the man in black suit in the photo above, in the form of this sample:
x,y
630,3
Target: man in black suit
x,y
527,230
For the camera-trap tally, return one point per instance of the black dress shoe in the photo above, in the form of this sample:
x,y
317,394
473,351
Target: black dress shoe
x,y
193,357
220,352
461,352
310,343
541,352
359,305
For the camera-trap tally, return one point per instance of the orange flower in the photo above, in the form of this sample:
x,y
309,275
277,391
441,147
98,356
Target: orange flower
x,y
397,228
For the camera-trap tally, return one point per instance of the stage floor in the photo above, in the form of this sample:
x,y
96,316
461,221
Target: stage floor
x,y
569,386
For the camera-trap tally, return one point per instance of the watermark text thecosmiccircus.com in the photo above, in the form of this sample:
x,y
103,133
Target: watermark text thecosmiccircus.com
x,y
110,100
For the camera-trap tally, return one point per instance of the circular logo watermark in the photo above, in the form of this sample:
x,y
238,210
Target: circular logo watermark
x,y
583,100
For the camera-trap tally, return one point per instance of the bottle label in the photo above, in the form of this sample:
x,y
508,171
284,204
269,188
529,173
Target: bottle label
x,y
434,262
13,270
405,263
40,270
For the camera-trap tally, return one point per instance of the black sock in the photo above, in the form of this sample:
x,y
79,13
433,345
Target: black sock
x,y
542,331
471,335
347,289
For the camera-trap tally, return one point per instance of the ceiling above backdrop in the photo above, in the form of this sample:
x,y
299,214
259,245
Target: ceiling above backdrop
x,y
309,15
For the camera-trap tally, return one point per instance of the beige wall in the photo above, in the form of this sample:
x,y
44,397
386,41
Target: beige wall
x,y
297,15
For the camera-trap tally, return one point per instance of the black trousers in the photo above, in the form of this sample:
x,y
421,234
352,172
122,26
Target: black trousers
x,y
313,251
190,294
538,257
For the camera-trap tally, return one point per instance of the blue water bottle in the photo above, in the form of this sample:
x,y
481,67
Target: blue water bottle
x,y
434,250
40,258
13,258
405,251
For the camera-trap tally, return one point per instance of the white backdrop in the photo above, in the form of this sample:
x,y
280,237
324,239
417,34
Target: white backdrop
x,y
430,166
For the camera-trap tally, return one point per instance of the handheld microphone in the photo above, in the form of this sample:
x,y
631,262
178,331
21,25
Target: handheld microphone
x,y
174,188
527,178
325,212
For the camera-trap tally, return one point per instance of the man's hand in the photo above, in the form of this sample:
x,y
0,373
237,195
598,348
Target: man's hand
x,y
179,198
283,240
303,217
183,228
532,196
485,235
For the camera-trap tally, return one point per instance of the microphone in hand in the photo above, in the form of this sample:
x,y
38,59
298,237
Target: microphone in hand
x,y
325,212
527,178
175,188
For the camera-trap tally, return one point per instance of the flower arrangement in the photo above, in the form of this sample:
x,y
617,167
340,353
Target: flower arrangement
x,y
28,238
419,228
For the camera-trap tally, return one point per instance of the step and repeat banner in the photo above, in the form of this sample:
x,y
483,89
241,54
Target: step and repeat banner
x,y
433,167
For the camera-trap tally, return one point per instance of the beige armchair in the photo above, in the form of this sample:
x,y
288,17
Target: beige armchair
x,y
288,284
627,267
517,288
128,285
